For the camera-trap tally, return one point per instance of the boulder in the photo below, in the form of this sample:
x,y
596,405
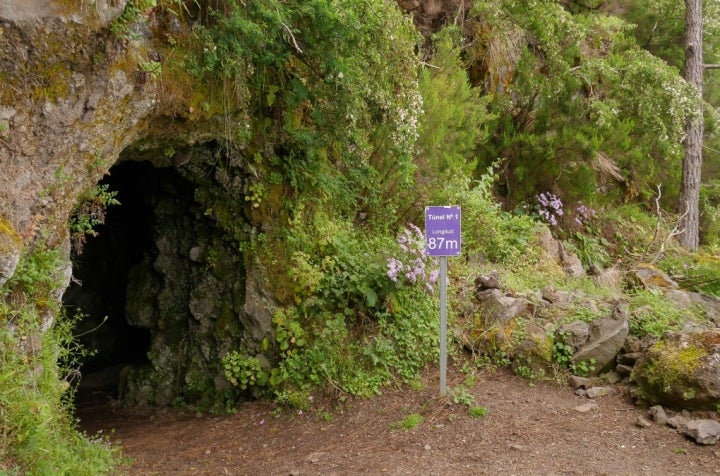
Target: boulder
x,y
702,431
499,308
494,321
607,337
687,299
569,262
681,370
649,276
533,356
575,334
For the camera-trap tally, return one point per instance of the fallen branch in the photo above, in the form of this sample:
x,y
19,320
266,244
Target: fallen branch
x,y
676,230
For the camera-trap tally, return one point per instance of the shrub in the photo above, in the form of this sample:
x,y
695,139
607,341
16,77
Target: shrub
x,y
654,314
496,235
698,272
37,432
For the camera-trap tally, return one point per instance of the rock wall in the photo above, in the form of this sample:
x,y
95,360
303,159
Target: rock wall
x,y
75,100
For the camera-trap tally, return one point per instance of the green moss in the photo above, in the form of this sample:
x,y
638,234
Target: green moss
x,y
543,347
9,238
668,373
673,365
55,63
226,323
7,95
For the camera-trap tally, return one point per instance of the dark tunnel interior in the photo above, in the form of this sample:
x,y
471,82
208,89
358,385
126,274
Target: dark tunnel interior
x,y
100,279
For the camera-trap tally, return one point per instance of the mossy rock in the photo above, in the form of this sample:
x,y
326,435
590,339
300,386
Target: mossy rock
x,y
534,353
649,276
10,250
682,370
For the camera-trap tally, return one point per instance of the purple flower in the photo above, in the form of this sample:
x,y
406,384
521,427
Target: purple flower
x,y
550,207
411,266
583,213
394,267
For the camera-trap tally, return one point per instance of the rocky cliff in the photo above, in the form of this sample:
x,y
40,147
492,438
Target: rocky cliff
x,y
83,103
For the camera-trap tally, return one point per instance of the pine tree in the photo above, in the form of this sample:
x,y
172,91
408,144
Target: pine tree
x,y
692,163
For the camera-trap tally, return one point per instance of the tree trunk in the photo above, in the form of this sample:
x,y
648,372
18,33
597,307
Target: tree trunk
x,y
692,163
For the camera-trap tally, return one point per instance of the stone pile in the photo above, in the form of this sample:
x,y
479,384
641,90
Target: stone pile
x,y
680,370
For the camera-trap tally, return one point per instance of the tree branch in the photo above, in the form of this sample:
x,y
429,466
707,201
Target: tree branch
x,y
292,37
676,230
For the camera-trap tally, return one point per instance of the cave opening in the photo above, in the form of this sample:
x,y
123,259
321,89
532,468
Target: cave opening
x,y
163,289
102,275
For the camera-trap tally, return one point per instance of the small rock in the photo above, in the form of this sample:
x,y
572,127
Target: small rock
x,y
629,358
575,334
642,422
487,282
657,413
196,253
580,382
586,407
623,369
517,447
580,392
613,377
315,457
427,447
678,422
597,392
704,432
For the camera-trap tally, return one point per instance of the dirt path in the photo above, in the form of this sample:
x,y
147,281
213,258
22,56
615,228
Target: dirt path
x,y
528,429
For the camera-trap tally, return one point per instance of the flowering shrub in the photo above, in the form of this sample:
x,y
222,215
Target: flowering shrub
x,y
407,116
550,208
583,214
412,265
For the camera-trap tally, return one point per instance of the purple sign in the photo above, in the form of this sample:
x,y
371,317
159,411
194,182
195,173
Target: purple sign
x,y
442,230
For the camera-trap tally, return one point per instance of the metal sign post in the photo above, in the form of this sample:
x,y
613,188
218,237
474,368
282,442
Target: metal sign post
x,y
442,239
443,325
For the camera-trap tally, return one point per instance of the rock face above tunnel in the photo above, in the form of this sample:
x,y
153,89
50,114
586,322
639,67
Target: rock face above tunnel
x,y
75,98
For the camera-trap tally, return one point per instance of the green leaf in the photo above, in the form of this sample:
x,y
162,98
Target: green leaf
x,y
271,95
371,296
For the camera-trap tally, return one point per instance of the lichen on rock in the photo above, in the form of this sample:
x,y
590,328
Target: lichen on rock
x,y
10,249
681,370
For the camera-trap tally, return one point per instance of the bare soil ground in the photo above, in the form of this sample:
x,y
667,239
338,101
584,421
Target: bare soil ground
x,y
529,429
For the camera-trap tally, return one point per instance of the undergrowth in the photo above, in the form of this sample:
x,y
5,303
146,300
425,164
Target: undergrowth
x,y
363,315
38,434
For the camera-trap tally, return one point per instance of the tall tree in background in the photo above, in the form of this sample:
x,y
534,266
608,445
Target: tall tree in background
x,y
692,163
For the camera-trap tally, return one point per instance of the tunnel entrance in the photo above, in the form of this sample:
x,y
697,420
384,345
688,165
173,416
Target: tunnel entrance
x,y
162,287
101,275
